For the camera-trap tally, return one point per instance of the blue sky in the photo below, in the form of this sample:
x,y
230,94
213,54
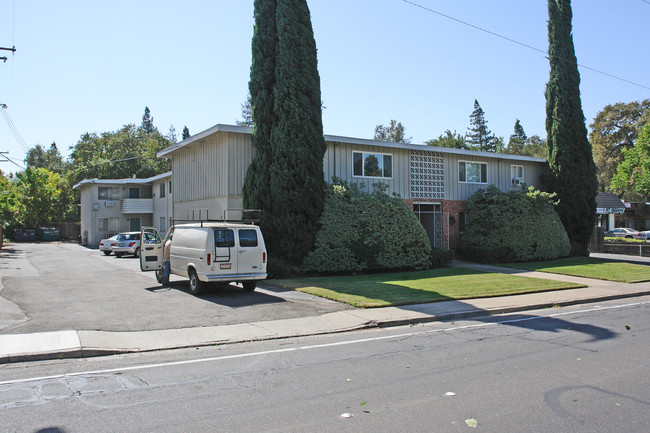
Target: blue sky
x,y
85,66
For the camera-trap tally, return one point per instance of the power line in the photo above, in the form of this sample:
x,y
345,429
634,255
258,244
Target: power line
x,y
11,160
12,127
545,53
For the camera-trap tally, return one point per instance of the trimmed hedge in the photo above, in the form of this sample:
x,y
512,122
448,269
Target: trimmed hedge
x,y
441,257
367,232
486,255
524,222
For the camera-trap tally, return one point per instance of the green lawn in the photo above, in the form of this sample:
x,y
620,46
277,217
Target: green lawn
x,y
590,268
381,290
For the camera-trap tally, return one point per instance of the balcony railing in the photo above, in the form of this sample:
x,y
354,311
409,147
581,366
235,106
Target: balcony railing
x,y
137,205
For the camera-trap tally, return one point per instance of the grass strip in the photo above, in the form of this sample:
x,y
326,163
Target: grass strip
x,y
444,284
590,267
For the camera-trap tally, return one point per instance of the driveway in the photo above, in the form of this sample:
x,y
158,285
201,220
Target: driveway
x,y
59,286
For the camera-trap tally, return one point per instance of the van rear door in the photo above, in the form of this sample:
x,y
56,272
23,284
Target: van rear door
x,y
249,256
151,249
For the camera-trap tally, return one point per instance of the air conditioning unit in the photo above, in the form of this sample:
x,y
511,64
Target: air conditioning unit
x,y
109,203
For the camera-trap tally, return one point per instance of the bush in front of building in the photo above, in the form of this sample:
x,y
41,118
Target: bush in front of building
x,y
367,232
486,255
441,257
523,221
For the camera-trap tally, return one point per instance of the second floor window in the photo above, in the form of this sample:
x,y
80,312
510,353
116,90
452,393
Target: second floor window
x,y
472,172
108,193
372,164
162,190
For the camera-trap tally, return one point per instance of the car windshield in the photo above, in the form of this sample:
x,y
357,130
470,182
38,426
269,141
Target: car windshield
x,y
120,237
132,237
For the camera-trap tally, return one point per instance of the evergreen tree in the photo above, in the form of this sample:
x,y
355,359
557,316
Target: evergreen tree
x,y
171,135
147,121
246,113
479,137
517,140
257,184
297,142
569,152
186,133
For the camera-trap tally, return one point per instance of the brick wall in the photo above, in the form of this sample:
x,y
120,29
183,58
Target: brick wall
x,y
450,218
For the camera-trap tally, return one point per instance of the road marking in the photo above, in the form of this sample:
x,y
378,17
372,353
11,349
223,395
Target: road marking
x,y
316,346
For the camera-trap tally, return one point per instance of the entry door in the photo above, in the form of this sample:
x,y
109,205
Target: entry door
x,y
134,224
430,216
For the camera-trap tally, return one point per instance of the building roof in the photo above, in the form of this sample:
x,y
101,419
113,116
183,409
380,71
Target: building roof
x,y
132,181
608,200
349,140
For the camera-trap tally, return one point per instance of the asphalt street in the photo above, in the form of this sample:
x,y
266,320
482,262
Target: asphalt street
x,y
572,369
59,286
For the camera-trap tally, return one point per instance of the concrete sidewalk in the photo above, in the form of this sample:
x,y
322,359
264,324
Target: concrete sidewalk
x,y
80,343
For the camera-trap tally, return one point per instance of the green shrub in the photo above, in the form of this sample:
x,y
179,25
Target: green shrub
x,y
486,255
525,222
441,257
367,232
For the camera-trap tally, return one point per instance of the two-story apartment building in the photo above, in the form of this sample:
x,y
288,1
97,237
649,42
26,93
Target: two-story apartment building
x,y
111,206
209,169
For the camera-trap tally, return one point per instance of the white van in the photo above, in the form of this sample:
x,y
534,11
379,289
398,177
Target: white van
x,y
207,252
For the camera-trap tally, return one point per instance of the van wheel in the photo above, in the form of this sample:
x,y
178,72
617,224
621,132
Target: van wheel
x,y
159,275
196,285
249,286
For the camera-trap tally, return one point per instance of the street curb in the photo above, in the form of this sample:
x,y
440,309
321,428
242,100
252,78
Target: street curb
x,y
505,310
266,334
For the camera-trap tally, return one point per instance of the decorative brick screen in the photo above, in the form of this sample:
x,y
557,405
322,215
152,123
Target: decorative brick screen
x,y
427,175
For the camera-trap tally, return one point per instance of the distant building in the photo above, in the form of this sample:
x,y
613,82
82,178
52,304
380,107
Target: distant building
x,y
111,206
608,205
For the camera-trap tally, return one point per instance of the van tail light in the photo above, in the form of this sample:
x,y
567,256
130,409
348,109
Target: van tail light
x,y
209,259
131,244
264,257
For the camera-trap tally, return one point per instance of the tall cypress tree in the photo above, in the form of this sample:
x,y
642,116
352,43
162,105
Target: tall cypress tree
x,y
297,142
569,152
257,185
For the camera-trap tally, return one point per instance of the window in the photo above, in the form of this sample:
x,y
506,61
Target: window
x,y
247,238
162,190
517,174
170,186
223,238
472,172
372,164
108,193
163,225
462,221
109,225
134,192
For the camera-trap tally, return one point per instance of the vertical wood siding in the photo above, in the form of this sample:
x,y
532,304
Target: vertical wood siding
x,y
498,174
340,155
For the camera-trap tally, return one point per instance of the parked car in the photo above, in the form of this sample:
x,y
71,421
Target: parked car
x,y
106,245
645,235
622,232
127,243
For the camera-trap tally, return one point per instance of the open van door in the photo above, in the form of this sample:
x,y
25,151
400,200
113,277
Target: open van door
x,y
151,249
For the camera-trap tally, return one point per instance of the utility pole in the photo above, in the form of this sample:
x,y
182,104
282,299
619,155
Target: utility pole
x,y
12,49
